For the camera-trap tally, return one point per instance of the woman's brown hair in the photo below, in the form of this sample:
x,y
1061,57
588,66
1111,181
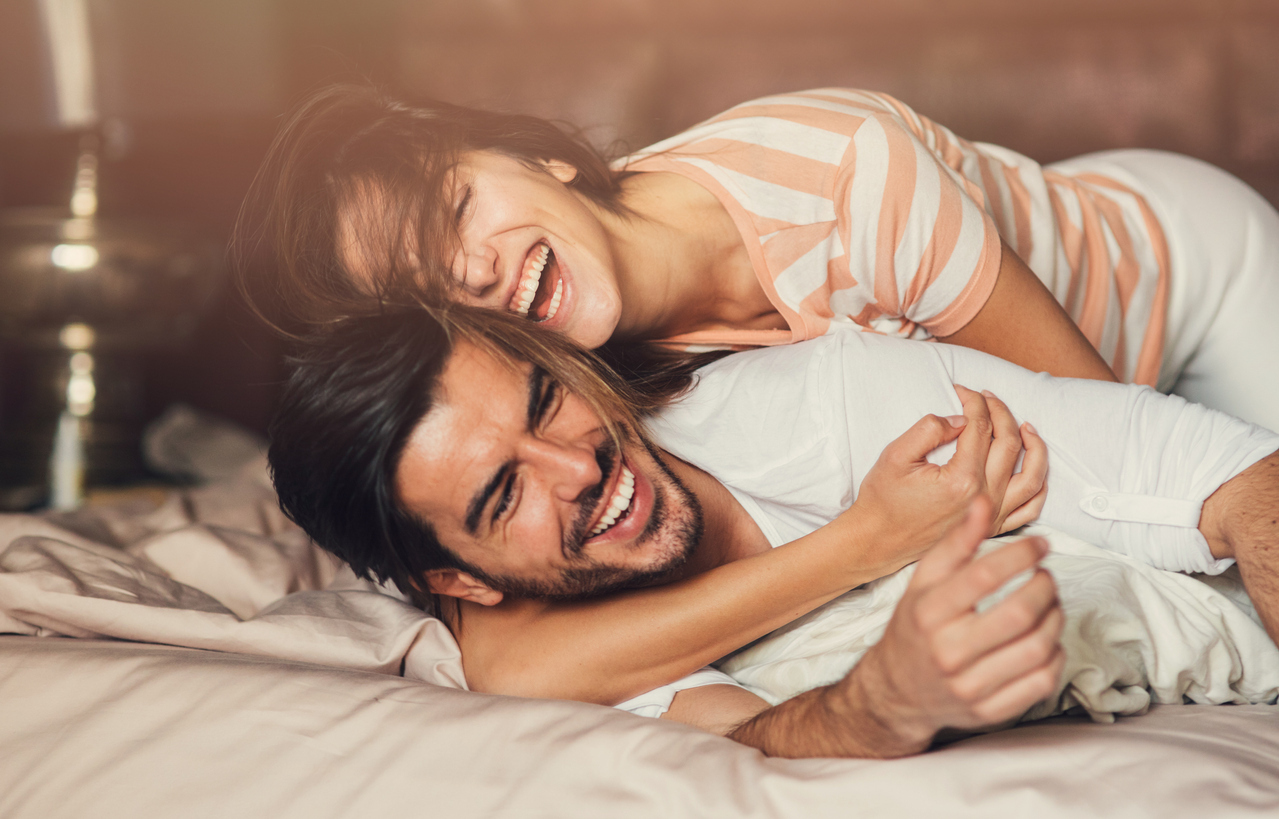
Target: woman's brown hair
x,y
350,209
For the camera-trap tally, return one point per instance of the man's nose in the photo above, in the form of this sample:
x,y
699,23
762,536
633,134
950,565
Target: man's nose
x,y
568,468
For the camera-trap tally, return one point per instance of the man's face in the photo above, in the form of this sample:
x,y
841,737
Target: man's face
x,y
520,480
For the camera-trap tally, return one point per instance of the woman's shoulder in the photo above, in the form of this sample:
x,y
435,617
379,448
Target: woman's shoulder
x,y
836,112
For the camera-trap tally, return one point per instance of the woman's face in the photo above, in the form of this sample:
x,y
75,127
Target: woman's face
x,y
533,246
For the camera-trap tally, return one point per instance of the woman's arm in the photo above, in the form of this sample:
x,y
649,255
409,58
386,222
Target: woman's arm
x,y
1021,322
610,649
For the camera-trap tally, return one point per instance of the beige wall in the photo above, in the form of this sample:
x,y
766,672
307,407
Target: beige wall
x,y
1051,78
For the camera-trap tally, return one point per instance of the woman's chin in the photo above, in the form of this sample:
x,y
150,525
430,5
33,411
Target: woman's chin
x,y
589,328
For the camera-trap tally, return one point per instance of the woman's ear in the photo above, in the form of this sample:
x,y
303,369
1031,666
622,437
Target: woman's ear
x,y
454,583
562,171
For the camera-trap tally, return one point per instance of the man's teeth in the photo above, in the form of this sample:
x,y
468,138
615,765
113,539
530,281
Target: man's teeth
x,y
620,503
523,298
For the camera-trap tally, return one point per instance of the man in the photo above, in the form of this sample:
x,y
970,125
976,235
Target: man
x,y
448,462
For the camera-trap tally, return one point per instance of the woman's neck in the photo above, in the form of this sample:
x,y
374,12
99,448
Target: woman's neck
x,y
681,263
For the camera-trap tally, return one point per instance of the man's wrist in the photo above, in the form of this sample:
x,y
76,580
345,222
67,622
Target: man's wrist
x,y
865,699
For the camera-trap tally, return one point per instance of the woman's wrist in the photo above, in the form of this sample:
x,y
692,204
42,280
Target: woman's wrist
x,y
872,545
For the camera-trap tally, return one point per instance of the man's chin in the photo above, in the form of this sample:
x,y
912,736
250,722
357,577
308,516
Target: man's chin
x,y
592,579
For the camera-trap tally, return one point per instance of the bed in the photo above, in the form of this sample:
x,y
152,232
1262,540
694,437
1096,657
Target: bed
x,y
201,658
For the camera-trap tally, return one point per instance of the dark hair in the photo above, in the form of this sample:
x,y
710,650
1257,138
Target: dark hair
x,y
354,394
353,152
349,404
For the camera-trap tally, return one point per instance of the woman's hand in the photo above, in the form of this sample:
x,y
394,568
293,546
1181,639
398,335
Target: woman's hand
x,y
909,503
1018,496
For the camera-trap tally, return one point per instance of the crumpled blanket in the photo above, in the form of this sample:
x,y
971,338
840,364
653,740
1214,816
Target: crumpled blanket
x,y
1133,635
215,568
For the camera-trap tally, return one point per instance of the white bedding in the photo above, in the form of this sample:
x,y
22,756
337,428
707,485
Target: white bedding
x,y
1133,635
289,702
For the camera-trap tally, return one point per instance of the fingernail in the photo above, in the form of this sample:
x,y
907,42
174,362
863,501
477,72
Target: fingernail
x,y
1030,428
1043,546
956,421
988,393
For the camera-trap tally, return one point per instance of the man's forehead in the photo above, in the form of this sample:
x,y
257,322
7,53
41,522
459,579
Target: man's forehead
x,y
473,371
478,404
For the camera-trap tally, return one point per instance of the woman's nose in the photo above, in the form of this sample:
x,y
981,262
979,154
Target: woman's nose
x,y
569,468
481,270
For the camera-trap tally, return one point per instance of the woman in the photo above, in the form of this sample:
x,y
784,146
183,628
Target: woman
x,y
779,220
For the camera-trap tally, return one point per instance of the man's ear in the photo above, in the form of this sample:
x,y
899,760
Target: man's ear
x,y
459,584
559,169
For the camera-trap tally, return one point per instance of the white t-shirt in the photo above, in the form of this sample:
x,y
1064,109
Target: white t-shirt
x,y
792,432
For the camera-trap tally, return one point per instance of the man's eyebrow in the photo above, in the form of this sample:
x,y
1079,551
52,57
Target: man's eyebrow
x,y
475,509
536,378
481,499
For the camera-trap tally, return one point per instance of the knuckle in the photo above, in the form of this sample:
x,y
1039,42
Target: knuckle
x,y
988,575
1020,616
1041,649
985,576
1044,685
947,660
967,486
963,690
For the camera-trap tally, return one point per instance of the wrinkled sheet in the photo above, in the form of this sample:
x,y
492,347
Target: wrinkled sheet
x,y
287,700
1133,635
114,729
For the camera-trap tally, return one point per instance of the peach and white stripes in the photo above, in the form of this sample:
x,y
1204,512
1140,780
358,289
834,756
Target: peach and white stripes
x,y
858,211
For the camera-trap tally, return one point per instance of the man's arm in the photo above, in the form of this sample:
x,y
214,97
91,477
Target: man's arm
x,y
939,665
1241,520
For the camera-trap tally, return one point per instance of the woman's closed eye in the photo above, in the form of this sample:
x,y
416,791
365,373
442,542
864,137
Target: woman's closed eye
x,y
463,206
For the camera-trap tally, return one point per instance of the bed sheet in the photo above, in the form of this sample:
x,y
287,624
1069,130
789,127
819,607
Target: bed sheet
x,y
115,729
296,690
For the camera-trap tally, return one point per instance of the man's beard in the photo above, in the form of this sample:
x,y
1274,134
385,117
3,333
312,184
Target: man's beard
x,y
676,517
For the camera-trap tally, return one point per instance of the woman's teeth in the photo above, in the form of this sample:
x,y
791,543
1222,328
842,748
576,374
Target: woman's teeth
x,y
555,301
527,288
620,503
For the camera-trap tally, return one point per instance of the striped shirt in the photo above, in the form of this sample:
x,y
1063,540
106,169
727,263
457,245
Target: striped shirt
x,y
858,212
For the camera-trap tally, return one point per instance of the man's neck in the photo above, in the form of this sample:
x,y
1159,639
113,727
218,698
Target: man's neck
x,y
729,532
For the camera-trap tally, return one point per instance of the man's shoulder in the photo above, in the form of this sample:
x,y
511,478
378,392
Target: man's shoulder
x,y
753,402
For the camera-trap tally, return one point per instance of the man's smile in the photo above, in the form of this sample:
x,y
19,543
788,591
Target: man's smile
x,y
622,513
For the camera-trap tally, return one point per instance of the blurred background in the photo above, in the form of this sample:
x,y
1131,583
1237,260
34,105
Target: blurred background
x,y
184,96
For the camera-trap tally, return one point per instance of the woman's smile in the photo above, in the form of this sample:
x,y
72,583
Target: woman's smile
x,y
534,247
540,289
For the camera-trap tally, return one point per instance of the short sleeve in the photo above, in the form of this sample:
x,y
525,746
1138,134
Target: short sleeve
x,y
658,701
921,249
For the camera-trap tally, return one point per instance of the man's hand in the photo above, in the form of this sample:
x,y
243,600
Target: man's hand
x,y
940,664
909,503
